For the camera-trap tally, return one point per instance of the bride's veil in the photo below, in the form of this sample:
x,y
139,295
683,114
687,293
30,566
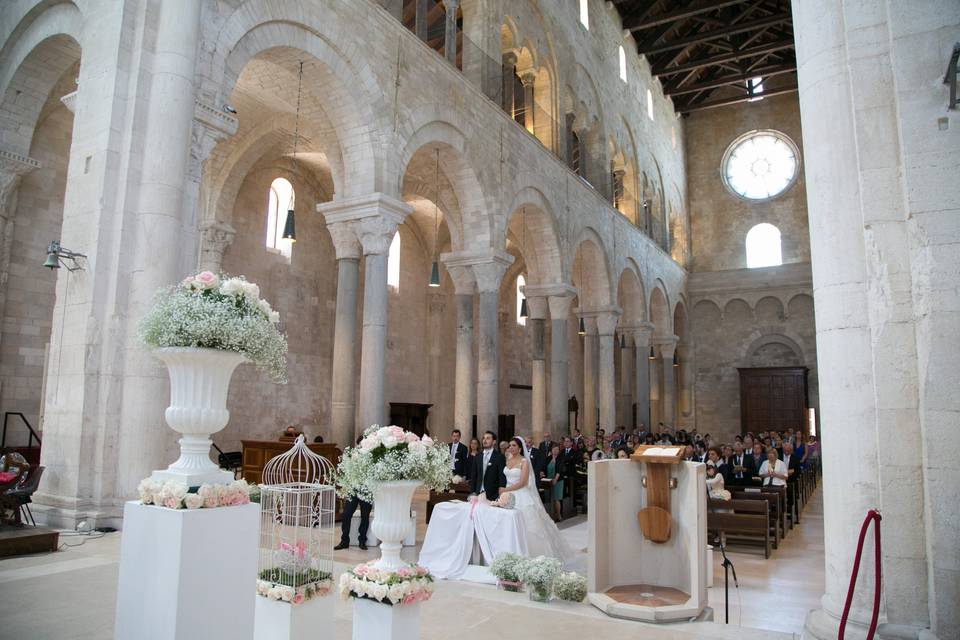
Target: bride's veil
x,y
531,474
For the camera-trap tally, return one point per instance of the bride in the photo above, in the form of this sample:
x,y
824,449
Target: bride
x,y
543,537
516,523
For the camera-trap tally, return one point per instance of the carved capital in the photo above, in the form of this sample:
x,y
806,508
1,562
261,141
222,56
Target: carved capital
x,y
641,334
462,276
13,166
605,318
666,346
70,101
215,237
344,241
373,219
488,266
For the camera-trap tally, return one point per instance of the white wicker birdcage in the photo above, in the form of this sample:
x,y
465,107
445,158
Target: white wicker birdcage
x,y
297,505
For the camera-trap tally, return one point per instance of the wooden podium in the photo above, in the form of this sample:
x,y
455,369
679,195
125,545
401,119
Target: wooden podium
x,y
648,537
655,519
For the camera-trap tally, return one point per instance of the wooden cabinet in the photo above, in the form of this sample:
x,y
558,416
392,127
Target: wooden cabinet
x,y
773,398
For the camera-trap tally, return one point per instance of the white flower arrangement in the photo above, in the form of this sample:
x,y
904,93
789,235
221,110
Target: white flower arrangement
x,y
386,454
293,580
506,568
217,312
539,573
570,586
177,495
406,585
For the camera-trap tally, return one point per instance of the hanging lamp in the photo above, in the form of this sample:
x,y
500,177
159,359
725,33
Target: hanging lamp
x,y
435,266
623,341
676,361
523,303
652,355
290,226
581,327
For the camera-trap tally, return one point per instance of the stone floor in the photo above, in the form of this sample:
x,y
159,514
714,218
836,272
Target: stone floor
x,y
71,595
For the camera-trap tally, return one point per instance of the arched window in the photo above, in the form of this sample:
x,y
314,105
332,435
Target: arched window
x,y
585,13
650,104
280,200
763,246
623,64
520,297
393,263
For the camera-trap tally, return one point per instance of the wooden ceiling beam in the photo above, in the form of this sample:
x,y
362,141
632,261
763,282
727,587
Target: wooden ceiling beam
x,y
649,47
705,6
723,81
712,104
733,56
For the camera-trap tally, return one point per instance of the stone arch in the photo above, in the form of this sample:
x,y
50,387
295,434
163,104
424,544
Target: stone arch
x,y
737,306
353,102
591,272
680,325
768,310
659,313
462,178
800,303
787,345
537,236
630,296
706,315
32,62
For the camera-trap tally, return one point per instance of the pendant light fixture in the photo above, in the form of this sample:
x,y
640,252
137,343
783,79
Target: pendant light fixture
x,y
435,267
652,355
524,313
676,361
290,226
623,341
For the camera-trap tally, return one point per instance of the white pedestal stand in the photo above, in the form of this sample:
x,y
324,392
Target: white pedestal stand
x,y
186,574
276,620
372,620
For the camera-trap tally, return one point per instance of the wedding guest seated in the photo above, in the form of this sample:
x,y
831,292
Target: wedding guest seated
x,y
715,484
577,438
595,452
773,471
688,454
623,453
700,452
714,456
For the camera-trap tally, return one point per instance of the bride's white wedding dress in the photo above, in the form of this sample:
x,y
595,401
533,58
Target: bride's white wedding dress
x,y
543,537
525,529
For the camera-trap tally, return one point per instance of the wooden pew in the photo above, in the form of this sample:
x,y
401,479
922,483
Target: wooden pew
x,y
742,520
773,506
785,515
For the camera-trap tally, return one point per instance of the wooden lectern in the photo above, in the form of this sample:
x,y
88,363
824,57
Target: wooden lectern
x,y
655,518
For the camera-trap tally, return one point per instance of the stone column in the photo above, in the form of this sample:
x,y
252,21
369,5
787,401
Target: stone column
x,y
450,30
641,353
559,358
393,7
464,285
590,348
668,400
422,8
13,167
881,158
343,406
538,403
655,377
373,219
606,332
488,268
528,79
215,237
627,387
509,71
686,381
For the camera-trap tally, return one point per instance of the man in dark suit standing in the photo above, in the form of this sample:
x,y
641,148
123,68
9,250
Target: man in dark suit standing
x,y
488,468
741,466
754,460
791,460
350,506
458,454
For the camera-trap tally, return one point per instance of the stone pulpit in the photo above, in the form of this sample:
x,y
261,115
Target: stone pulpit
x,y
648,536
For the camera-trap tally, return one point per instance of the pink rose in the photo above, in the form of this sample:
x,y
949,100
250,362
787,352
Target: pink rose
x,y
410,599
171,502
427,441
297,599
410,437
403,572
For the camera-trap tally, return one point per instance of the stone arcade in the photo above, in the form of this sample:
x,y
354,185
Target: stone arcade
x,y
155,138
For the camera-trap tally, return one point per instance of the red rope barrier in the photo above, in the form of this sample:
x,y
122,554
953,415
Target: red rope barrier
x,y
872,516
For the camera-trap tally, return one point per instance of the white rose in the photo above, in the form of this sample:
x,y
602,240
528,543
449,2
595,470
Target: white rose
x,y
427,441
274,317
383,432
416,447
251,291
389,442
380,591
264,306
174,489
193,501
287,593
232,287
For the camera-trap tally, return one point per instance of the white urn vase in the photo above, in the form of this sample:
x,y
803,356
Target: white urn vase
x,y
199,381
391,519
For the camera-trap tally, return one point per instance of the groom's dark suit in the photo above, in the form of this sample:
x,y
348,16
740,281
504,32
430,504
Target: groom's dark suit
x,y
490,479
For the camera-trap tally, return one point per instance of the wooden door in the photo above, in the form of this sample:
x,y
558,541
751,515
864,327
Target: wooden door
x,y
773,398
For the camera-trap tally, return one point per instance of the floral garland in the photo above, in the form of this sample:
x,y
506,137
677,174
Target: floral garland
x,y
387,454
218,312
174,494
406,585
273,585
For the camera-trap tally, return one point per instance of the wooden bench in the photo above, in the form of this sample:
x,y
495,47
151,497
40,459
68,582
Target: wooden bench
x,y
773,508
742,520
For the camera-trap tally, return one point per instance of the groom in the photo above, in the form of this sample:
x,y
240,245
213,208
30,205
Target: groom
x,y
487,476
